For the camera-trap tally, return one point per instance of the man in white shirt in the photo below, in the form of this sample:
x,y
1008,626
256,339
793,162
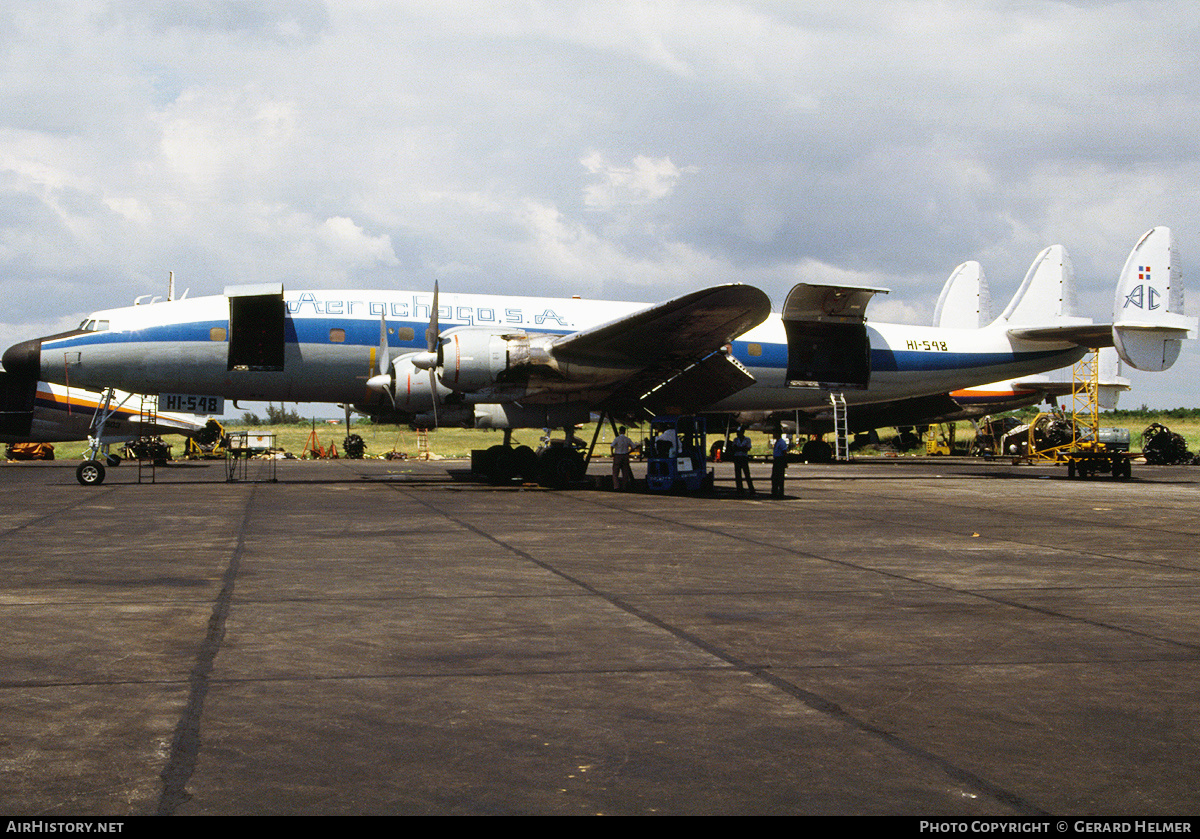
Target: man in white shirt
x,y
622,447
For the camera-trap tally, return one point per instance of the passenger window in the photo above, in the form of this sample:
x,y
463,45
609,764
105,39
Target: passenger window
x,y
337,336
217,333
405,333
754,349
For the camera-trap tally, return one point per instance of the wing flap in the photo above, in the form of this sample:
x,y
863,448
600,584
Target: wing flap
x,y
685,389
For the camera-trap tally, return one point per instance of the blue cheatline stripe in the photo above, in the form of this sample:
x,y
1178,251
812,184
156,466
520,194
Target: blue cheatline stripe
x,y
365,333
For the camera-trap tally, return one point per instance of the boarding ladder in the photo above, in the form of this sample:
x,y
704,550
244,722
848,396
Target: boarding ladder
x,y
146,427
422,444
841,426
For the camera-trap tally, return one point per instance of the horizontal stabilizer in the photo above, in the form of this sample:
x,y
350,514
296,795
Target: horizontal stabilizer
x,y
1089,335
1148,318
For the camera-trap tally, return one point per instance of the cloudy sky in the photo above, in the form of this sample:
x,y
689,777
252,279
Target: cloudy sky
x,y
625,150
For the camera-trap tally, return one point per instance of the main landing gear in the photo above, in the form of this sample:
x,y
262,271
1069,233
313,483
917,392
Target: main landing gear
x,y
556,464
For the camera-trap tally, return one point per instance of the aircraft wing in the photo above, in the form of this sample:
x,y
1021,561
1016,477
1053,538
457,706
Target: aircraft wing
x,y
687,327
674,349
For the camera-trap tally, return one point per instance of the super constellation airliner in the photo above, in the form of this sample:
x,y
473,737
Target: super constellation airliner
x,y
509,362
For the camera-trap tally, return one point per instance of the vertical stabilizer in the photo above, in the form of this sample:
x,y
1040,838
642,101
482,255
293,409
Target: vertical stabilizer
x,y
965,301
1047,295
1148,319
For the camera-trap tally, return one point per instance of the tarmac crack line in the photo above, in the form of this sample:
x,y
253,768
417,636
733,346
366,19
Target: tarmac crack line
x,y
981,594
185,746
1065,521
808,698
93,495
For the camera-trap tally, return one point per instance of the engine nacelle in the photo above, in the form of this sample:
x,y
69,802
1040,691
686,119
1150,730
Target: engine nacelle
x,y
446,416
414,392
475,358
531,416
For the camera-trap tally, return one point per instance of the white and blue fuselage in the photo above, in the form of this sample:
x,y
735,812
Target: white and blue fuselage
x,y
331,346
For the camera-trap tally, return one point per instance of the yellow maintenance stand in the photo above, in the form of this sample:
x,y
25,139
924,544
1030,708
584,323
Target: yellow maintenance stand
x,y
1084,453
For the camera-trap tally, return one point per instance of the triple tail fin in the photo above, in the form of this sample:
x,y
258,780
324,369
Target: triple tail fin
x,y
1046,297
1148,320
965,301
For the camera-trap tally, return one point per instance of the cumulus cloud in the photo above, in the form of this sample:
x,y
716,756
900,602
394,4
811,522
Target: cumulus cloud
x,y
645,180
622,148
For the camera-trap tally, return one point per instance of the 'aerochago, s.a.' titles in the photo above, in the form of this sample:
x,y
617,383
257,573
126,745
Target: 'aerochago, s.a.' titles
x,y
507,362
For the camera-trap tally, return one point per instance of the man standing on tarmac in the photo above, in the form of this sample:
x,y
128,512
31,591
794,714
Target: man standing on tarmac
x,y
740,445
778,463
622,446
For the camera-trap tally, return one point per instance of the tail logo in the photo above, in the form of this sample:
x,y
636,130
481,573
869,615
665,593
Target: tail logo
x,y
1144,296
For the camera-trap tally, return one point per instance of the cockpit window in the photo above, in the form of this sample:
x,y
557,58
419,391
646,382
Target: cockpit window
x,y
93,325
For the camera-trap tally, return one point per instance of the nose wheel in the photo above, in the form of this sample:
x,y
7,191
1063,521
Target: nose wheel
x,y
90,473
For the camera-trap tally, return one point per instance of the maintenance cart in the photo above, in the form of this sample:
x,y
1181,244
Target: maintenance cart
x,y
676,460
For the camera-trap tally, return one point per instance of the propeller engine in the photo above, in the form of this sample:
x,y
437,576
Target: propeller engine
x,y
411,381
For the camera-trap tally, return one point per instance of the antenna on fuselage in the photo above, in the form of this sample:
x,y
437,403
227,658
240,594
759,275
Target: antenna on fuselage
x,y
170,286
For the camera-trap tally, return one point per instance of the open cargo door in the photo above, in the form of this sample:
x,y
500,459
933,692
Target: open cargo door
x,y
256,327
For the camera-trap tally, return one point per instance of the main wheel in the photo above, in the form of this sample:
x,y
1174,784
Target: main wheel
x,y
502,464
527,464
558,467
90,473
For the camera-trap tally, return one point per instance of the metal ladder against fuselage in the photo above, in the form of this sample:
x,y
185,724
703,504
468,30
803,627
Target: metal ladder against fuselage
x,y
841,426
147,424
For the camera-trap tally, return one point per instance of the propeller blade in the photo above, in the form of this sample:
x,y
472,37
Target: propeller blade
x,y
383,345
433,386
432,331
433,349
385,380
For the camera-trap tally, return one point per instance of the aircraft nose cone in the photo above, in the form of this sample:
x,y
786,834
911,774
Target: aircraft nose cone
x,y
24,359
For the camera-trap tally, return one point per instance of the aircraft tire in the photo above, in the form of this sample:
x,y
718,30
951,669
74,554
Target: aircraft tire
x,y
502,464
816,451
90,473
553,472
558,467
527,464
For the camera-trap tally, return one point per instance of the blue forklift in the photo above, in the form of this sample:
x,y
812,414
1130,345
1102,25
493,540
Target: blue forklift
x,y
676,460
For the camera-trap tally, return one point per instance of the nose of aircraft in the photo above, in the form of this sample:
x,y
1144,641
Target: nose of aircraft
x,y
24,359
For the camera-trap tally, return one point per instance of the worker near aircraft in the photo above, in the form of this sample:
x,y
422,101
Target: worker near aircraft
x,y
667,442
622,448
779,452
740,446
